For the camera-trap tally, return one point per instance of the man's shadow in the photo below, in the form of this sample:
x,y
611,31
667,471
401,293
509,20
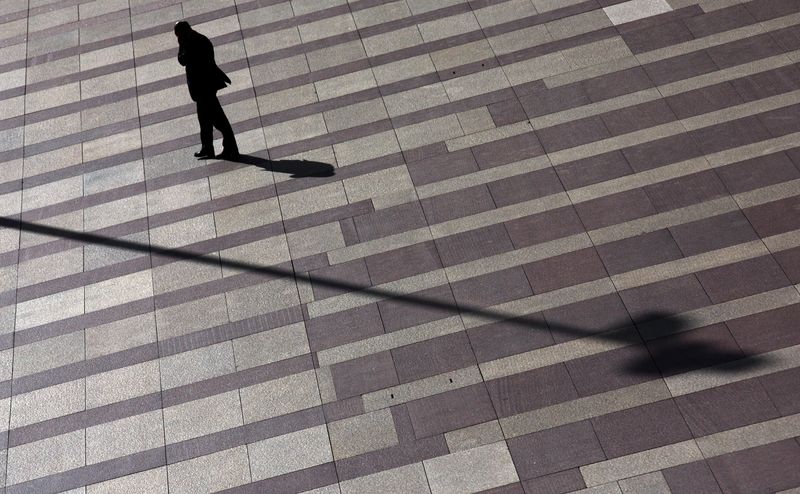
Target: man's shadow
x,y
297,168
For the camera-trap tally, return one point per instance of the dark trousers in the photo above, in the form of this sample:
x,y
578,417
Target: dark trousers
x,y
210,115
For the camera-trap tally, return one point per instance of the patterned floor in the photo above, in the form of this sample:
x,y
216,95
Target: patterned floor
x,y
559,250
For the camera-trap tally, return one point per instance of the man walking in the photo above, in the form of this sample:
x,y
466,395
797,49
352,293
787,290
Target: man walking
x,y
204,78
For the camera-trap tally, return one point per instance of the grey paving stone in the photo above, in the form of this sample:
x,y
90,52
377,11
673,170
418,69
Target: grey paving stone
x,y
124,437
46,457
197,365
472,470
362,434
210,473
154,480
202,417
289,452
280,396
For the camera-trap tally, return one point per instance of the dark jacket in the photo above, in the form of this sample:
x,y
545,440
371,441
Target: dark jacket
x,y
203,76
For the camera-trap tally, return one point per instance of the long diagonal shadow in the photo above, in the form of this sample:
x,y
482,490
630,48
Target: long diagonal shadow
x,y
699,351
297,168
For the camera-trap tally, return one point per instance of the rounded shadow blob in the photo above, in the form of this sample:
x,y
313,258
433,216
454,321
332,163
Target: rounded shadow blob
x,y
680,355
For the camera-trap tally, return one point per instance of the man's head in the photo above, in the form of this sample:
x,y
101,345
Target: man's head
x,y
182,28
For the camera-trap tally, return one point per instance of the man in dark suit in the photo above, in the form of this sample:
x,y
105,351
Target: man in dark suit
x,y
204,78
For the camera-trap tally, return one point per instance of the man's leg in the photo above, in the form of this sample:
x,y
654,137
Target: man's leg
x,y
221,123
206,120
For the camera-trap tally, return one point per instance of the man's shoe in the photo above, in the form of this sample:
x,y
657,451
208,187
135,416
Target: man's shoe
x,y
228,154
204,153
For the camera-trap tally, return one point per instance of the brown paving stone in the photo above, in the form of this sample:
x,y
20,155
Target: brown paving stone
x,y
344,327
555,483
726,407
343,409
389,221
789,261
744,50
666,34
743,278
758,172
474,244
509,337
507,112
432,357
731,134
787,38
545,101
398,314
768,468
718,21
680,67
783,389
531,390
616,84
450,410
404,453
671,297
782,121
457,204
571,134
587,317
403,262
615,208
565,270
704,100
640,428
695,349
351,273
363,375
594,169
770,9
685,191
660,152
769,83
612,370
525,187
639,252
691,478
767,331
555,450
493,288
771,218
442,167
638,117
543,227
508,150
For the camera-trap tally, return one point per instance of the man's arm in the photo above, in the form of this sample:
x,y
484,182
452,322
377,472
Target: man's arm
x,y
183,57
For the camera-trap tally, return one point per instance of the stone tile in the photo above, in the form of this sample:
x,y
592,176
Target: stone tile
x,y
766,331
671,297
280,396
695,349
262,298
46,457
713,233
344,327
450,411
611,370
555,450
472,470
531,390
565,270
636,9
509,337
641,428
289,452
482,291
270,346
210,473
364,374
403,263
124,437
691,477
556,483
765,468
639,252
121,384
47,403
202,417
153,480
473,244
361,434
197,365
432,357
48,354
409,479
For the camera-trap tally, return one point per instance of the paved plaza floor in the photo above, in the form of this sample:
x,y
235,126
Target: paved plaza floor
x,y
502,246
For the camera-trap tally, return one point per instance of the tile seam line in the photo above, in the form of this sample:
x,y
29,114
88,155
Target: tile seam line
x,y
165,54
167,343
390,119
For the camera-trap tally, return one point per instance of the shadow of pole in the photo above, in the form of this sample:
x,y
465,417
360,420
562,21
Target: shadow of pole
x,y
623,332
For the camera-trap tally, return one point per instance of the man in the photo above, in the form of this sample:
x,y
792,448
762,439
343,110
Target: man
x,y
204,79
